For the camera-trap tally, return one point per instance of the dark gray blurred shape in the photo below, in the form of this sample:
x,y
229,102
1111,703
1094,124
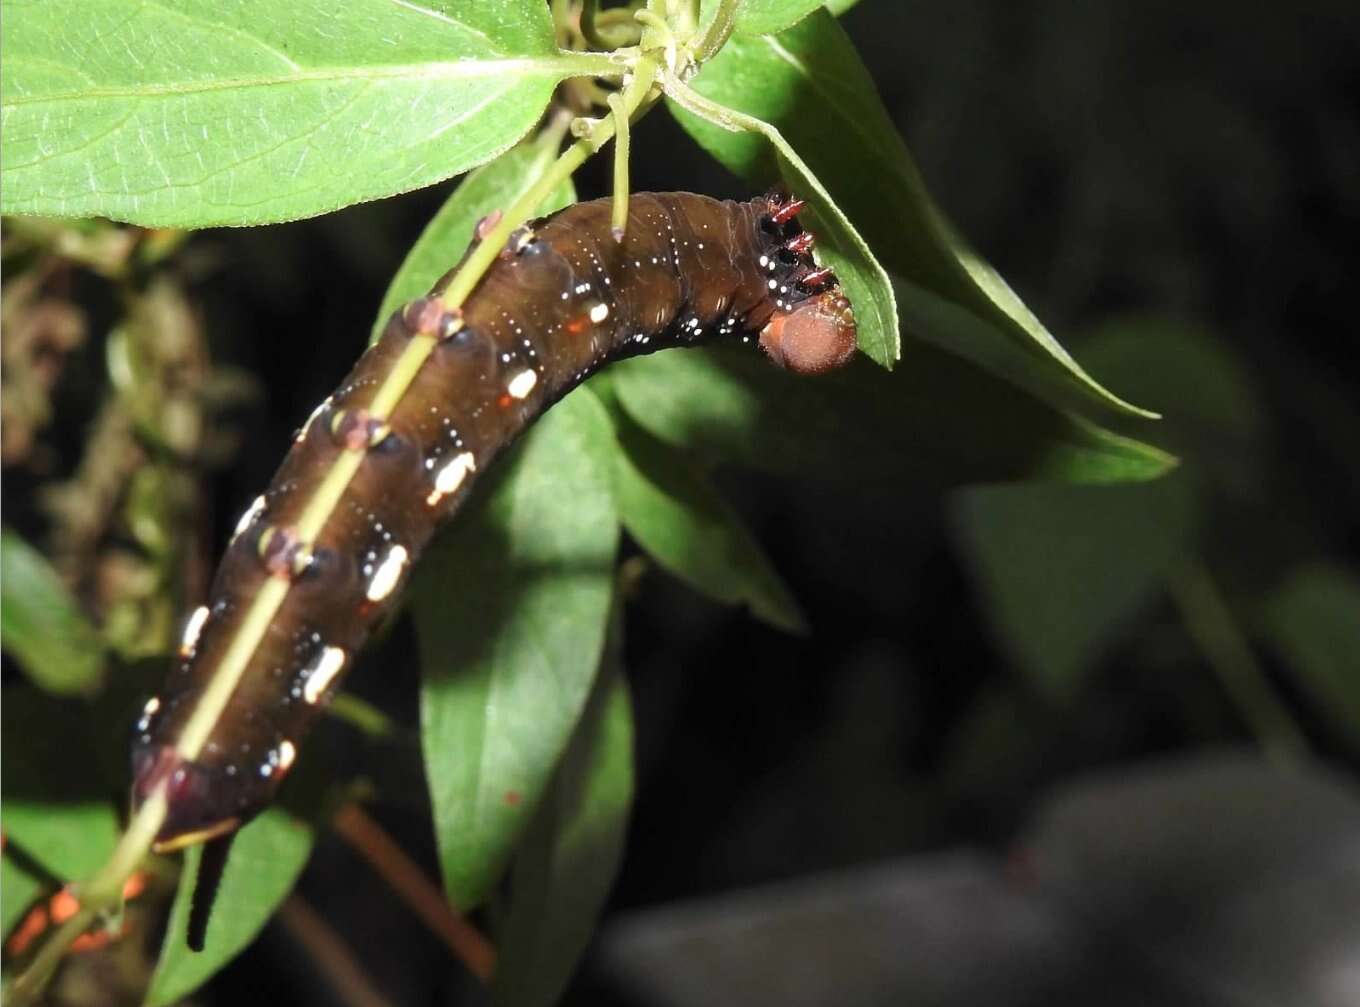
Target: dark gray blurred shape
x,y
1231,880
1214,881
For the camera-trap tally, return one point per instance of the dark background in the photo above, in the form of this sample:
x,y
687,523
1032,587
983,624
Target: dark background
x,y
1194,163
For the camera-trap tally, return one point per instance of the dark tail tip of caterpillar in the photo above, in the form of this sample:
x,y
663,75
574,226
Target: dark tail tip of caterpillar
x,y
815,337
210,868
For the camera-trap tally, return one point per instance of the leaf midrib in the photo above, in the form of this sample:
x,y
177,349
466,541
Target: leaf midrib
x,y
556,66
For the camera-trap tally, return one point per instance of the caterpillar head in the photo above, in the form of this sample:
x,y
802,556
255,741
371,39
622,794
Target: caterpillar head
x,y
817,335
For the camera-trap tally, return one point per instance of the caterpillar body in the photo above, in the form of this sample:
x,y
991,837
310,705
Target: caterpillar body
x,y
563,298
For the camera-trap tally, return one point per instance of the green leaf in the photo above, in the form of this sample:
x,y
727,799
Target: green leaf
x,y
938,422
56,805
491,187
1061,569
839,244
809,82
19,889
763,17
511,610
1214,417
264,863
41,624
676,514
202,113
571,853
1314,625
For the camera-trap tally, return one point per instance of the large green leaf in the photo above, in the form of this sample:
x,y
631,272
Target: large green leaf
x,y
676,514
199,112
939,421
1314,624
491,187
264,863
511,610
809,82
41,624
567,862
56,804
1062,568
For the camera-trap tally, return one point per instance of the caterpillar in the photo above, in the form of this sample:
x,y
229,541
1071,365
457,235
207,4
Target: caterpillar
x,y
564,297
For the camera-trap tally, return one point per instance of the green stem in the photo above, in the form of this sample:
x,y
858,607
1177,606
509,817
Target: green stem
x,y
97,896
363,716
720,115
717,33
619,219
604,32
635,95
592,64
618,23
1210,624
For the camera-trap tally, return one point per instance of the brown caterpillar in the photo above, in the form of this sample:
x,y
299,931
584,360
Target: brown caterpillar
x,y
562,299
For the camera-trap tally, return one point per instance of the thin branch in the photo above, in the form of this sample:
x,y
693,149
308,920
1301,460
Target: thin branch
x,y
347,977
1210,624
392,864
619,216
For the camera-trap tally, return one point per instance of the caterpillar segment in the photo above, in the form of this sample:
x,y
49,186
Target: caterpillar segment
x,y
561,300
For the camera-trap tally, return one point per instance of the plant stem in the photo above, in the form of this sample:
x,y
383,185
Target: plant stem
x,y
333,957
604,32
363,716
97,896
717,33
1210,624
619,218
635,95
391,863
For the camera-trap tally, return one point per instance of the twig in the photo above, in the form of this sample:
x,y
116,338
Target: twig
x,y
347,977
1210,624
392,864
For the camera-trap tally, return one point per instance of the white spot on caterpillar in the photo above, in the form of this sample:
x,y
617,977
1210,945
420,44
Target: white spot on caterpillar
x,y
321,407
252,512
599,313
451,476
523,383
287,753
389,572
322,673
773,284
764,261
152,705
192,629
